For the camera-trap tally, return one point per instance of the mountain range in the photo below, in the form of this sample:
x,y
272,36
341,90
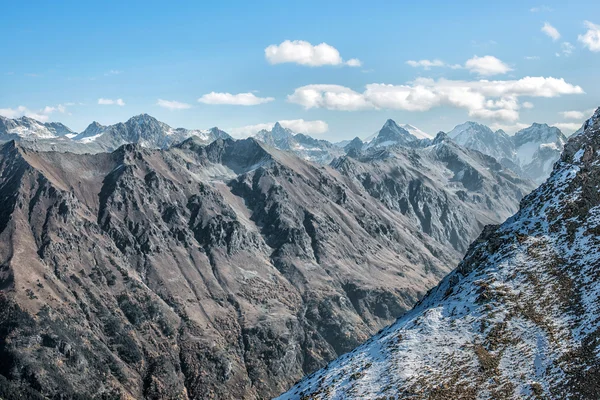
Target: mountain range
x,y
518,317
145,261
531,152
226,270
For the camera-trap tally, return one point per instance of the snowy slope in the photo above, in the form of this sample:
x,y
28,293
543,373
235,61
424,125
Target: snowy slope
x,y
31,129
531,151
518,318
416,132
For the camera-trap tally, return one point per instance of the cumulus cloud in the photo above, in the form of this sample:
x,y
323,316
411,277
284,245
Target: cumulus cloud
x,y
426,64
110,102
528,104
551,31
172,105
332,97
297,125
487,66
494,100
240,99
591,39
42,115
304,53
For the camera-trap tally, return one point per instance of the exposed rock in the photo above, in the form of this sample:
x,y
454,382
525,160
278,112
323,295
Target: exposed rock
x,y
518,318
227,270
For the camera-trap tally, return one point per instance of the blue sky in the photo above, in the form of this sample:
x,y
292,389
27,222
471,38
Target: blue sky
x,y
61,58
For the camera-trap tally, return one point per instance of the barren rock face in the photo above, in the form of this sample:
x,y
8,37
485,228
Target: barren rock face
x,y
518,318
219,271
449,191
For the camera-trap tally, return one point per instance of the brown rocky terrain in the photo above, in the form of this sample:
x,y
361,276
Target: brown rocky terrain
x,y
219,271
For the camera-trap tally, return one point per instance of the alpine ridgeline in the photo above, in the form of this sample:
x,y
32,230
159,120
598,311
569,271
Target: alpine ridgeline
x,y
449,191
227,270
518,318
142,129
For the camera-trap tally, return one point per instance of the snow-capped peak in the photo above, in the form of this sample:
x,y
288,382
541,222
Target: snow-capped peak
x,y
416,132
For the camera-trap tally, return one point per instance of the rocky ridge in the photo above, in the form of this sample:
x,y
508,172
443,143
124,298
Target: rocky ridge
x,y
516,319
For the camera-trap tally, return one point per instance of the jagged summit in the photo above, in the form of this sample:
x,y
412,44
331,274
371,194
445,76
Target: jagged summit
x,y
391,134
196,262
516,319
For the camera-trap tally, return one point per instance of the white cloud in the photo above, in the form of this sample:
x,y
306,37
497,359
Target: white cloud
x,y
487,66
426,64
240,99
304,53
494,100
567,127
532,58
354,62
173,105
110,102
113,72
577,115
297,125
566,48
528,105
551,31
591,39
332,97
42,115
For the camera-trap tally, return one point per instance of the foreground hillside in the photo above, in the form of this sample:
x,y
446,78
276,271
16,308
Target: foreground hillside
x,y
221,271
518,318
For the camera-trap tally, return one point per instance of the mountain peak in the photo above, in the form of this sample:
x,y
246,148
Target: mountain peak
x,y
390,123
441,137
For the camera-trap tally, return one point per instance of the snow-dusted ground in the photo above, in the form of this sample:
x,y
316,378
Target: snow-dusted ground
x,y
518,318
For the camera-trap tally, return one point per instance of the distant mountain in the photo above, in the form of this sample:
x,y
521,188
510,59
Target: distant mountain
x,y
391,134
141,129
304,146
537,148
26,128
530,152
517,319
144,130
479,137
449,191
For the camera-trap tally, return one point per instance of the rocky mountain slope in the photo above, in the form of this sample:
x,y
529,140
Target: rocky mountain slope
x,y
449,191
531,152
518,318
227,270
304,146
